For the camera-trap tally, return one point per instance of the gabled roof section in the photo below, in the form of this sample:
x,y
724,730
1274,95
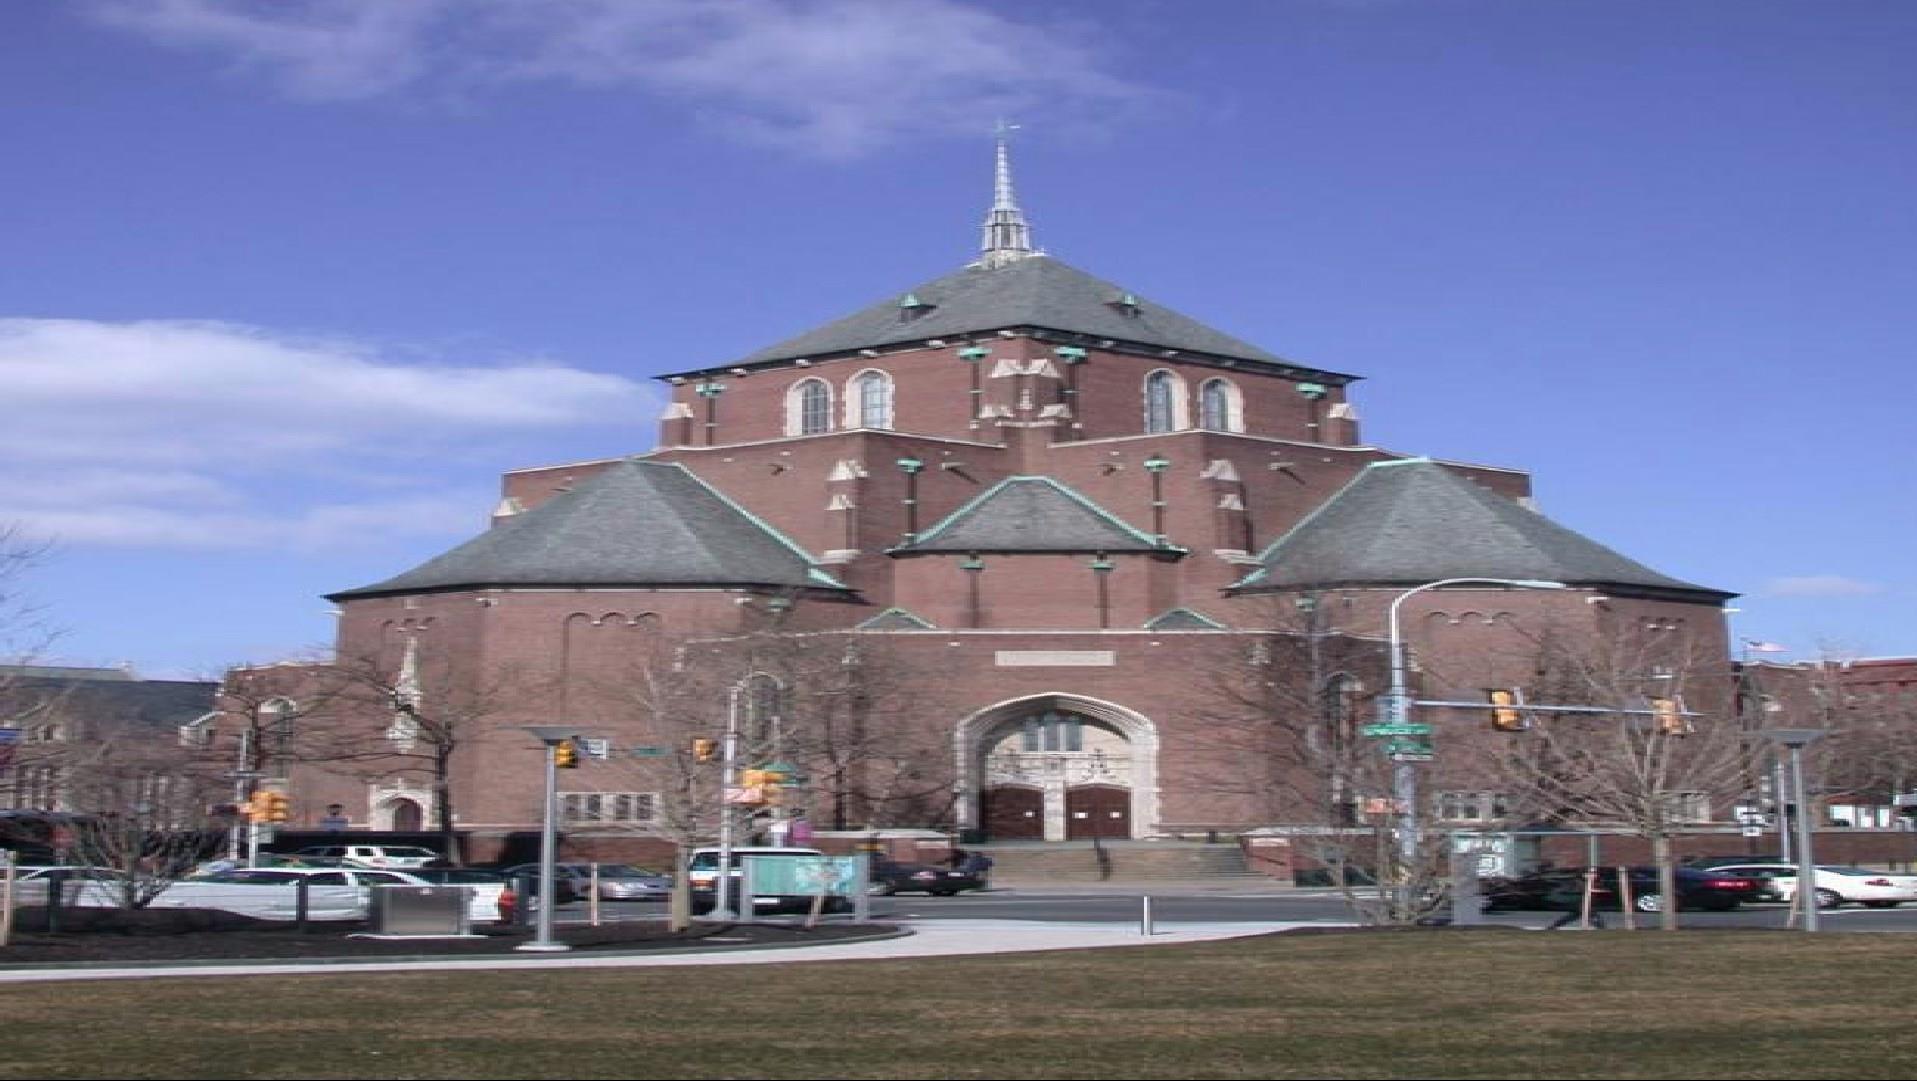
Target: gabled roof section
x,y
896,619
1033,514
1035,291
1414,521
635,523
1182,619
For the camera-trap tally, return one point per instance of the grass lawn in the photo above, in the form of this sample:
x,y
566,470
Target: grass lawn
x,y
1606,1004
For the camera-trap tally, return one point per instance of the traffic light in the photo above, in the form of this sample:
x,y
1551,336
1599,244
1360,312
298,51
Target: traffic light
x,y
705,750
1669,715
565,754
256,805
277,807
1505,714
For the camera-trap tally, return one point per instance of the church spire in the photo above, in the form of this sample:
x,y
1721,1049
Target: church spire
x,y
1007,236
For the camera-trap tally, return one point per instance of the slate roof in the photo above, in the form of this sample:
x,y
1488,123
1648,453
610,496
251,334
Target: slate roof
x,y
1033,292
1033,514
635,523
126,701
1414,521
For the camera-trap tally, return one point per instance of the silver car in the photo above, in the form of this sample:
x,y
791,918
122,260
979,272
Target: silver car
x,y
617,881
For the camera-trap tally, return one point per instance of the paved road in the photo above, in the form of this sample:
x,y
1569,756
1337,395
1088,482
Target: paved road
x,y
1173,905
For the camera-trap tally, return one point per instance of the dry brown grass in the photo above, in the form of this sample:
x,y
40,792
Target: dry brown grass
x,y
1411,1005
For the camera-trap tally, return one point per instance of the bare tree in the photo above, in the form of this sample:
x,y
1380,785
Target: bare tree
x,y
140,807
1663,750
818,711
1288,712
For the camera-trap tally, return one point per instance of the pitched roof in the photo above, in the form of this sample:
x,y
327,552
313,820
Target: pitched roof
x,y
896,619
152,704
1414,521
1037,291
1033,514
635,523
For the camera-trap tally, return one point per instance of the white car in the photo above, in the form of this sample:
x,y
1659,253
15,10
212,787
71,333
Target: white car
x,y
86,887
1834,886
385,857
272,893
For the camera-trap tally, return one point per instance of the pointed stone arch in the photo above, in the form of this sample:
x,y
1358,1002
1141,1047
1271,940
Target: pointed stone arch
x,y
971,738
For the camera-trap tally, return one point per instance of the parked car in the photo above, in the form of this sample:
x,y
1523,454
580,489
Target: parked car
x,y
1705,863
272,893
87,887
493,899
1561,888
1834,886
702,871
889,878
399,857
617,881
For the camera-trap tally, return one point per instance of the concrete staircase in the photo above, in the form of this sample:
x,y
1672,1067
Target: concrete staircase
x,y
1038,863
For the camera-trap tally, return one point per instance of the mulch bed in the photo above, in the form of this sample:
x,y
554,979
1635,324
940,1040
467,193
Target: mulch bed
x,y
102,936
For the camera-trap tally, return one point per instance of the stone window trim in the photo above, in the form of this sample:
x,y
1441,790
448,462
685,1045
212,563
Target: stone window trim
x,y
1166,402
1221,406
870,400
808,407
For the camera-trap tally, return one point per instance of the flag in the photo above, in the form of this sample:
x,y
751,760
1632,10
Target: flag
x,y
1756,646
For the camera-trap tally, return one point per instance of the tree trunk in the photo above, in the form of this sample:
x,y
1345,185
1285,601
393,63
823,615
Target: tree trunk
x,y
1663,855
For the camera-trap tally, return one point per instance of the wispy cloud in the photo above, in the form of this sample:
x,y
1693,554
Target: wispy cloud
x,y
217,435
1821,585
827,77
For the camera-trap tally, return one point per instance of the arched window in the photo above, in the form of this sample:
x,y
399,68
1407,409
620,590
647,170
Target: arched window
x,y
871,399
808,407
1052,730
1164,402
1219,407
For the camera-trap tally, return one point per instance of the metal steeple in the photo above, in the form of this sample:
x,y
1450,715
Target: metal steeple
x,y
1007,236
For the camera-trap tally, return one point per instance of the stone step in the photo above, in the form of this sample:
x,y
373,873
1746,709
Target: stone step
x,y
1081,862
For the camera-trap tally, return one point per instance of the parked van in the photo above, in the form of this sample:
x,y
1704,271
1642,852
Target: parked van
x,y
702,871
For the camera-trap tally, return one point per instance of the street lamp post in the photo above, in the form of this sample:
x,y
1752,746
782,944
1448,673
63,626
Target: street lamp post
x,y
723,897
550,736
1397,717
1795,740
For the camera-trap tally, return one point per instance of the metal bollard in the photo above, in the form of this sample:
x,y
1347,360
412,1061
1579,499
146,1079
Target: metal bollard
x,y
1145,916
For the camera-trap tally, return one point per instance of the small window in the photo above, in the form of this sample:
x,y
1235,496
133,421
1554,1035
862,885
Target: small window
x,y
621,807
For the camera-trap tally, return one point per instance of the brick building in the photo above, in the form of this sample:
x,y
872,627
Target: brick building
x,y
1072,511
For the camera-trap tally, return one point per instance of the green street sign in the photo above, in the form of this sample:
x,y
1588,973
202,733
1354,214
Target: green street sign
x,y
646,751
1396,730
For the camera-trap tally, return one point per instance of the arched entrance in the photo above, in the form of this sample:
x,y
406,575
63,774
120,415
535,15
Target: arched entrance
x,y
1058,767
405,816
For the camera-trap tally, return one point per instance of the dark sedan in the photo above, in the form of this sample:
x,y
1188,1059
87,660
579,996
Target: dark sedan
x,y
1561,888
889,878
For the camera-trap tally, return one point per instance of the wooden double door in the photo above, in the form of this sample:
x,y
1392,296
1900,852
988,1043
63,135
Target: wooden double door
x,y
1017,812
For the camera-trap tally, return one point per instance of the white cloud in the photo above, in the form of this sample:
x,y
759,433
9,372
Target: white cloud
x,y
217,435
1821,585
827,77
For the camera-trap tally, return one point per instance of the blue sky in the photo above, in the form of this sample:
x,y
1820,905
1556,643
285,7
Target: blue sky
x,y
287,285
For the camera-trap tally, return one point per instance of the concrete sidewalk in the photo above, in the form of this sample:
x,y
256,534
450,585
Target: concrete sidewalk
x,y
924,938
